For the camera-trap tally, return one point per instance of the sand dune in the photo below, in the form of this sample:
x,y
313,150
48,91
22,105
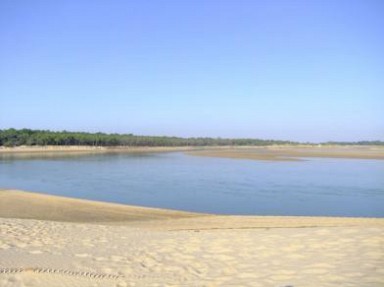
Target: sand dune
x,y
153,247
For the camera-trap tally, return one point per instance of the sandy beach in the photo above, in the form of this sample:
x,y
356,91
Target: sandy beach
x,y
54,241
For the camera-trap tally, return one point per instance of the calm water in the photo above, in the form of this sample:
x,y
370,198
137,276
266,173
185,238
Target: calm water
x,y
331,187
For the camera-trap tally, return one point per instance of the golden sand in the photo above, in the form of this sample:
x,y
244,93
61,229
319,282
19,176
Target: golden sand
x,y
136,246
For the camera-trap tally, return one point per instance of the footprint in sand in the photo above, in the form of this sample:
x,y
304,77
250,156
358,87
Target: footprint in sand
x,y
107,270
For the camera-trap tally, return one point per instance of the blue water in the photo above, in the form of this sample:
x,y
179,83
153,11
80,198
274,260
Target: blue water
x,y
327,187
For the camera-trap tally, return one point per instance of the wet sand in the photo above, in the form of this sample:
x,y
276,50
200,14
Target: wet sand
x,y
68,151
28,205
274,153
134,246
293,153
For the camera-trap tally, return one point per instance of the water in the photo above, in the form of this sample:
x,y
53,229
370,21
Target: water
x,y
321,187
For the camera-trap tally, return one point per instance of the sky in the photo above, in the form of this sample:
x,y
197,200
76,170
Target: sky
x,y
292,69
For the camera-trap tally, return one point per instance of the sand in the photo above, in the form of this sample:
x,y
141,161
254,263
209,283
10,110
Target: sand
x,y
152,247
80,149
293,153
268,153
27,205
75,151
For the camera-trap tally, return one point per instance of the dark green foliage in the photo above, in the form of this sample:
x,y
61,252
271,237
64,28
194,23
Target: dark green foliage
x,y
356,143
13,137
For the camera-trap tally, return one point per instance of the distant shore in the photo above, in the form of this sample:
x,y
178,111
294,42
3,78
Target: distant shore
x,y
55,241
87,149
269,153
293,152
68,151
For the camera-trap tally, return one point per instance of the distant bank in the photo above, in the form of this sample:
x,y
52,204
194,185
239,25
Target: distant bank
x,y
68,149
269,153
27,137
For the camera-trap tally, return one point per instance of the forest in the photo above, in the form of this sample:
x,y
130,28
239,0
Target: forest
x,y
18,137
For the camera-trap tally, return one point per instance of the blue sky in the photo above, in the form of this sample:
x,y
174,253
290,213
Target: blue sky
x,y
299,70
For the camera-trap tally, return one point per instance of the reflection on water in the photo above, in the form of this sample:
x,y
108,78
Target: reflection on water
x,y
332,187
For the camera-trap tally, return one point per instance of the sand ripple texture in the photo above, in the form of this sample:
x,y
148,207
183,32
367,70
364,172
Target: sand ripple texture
x,y
43,253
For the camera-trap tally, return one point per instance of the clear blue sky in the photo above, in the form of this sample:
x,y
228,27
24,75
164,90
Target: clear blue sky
x,y
299,70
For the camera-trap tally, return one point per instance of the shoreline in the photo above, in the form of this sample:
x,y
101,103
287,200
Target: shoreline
x,y
26,152
121,245
264,153
293,153
81,149
40,206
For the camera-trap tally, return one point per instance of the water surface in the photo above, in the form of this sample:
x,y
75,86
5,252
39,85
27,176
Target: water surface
x,y
316,186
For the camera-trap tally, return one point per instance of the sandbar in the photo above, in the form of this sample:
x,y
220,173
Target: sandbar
x,y
68,151
292,153
266,153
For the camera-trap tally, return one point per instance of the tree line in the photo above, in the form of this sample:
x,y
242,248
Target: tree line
x,y
356,143
17,137
28,137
